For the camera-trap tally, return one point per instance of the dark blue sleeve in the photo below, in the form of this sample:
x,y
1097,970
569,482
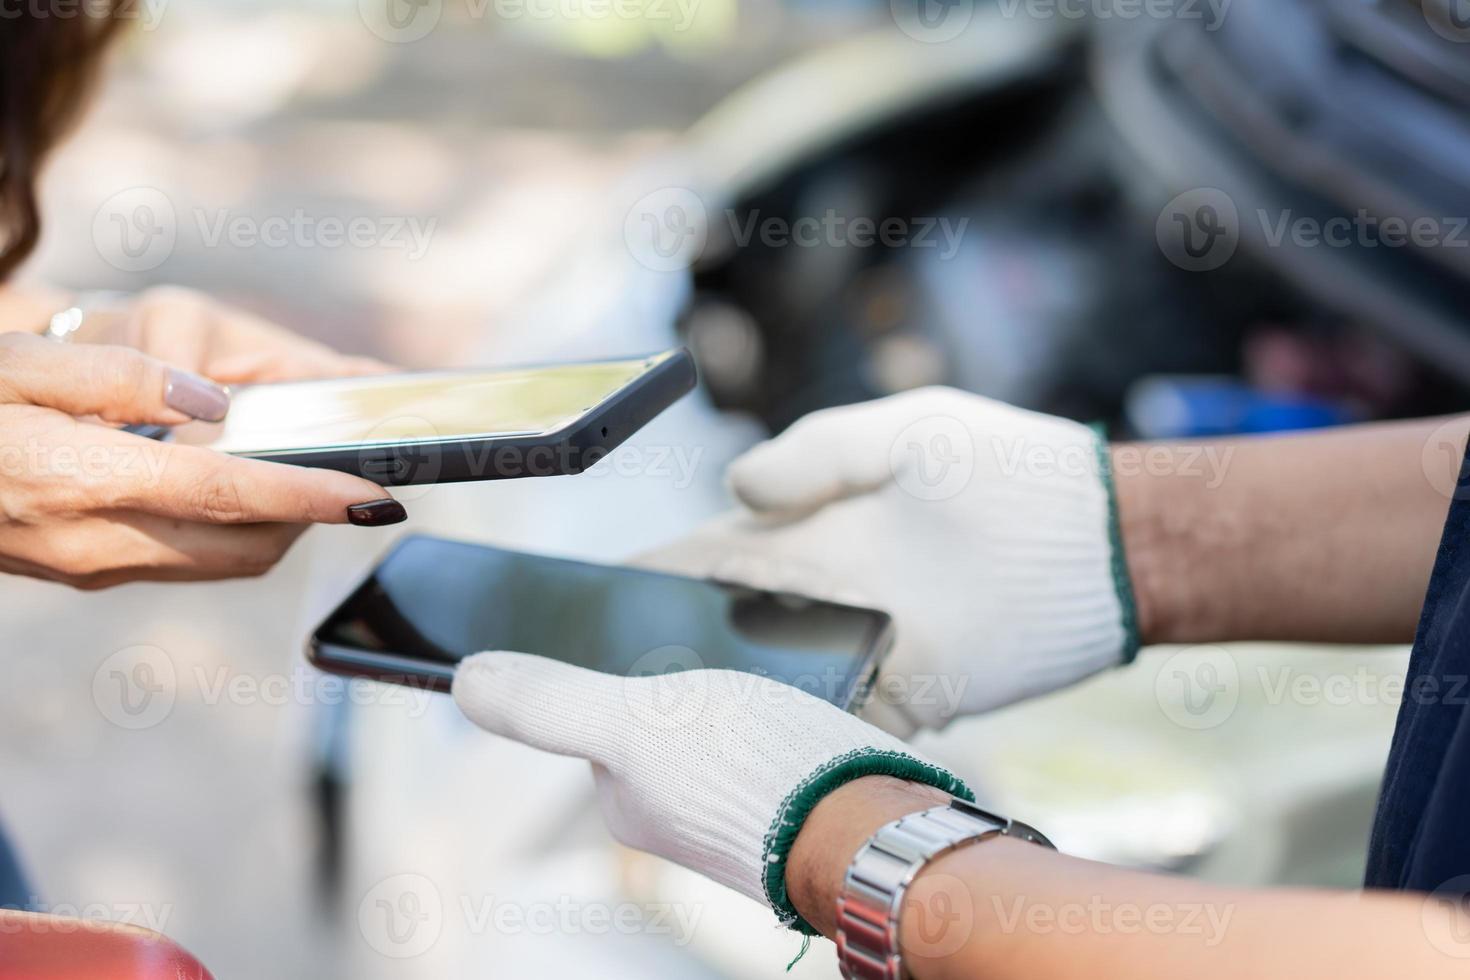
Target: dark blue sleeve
x,y
1419,840
14,892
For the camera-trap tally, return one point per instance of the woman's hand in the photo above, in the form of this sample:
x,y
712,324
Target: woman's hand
x,y
982,528
93,506
713,769
199,334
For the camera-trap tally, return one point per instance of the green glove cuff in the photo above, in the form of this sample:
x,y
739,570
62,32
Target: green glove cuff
x,y
1121,581
799,804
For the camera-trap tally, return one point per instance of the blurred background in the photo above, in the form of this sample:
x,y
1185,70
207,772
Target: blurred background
x,y
1182,219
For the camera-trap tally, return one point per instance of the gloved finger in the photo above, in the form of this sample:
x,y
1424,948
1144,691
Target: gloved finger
x,y
742,550
699,553
774,572
826,456
546,704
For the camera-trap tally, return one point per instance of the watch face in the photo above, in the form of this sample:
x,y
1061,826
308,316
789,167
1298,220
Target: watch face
x,y
1007,826
971,810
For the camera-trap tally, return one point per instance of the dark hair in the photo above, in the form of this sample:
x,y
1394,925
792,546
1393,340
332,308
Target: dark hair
x,y
48,63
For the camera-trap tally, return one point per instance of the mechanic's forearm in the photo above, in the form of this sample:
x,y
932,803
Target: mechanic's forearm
x,y
1004,909
28,308
1325,537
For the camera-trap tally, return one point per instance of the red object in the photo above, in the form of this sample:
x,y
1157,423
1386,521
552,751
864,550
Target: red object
x,y
54,947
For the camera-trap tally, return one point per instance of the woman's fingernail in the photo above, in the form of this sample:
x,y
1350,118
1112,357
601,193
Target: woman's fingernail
x,y
196,397
377,513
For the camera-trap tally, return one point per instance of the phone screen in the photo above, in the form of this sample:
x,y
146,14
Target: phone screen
x,y
401,408
435,602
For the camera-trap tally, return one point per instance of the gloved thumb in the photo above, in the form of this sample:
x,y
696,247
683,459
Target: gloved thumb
x,y
828,455
547,704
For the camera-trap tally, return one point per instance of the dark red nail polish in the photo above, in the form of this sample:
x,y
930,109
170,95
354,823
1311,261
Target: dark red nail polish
x,y
377,513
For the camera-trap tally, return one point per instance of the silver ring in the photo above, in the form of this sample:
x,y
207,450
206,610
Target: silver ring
x,y
64,324
70,320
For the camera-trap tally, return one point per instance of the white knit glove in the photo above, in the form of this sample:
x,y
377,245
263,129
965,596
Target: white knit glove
x,y
713,769
986,531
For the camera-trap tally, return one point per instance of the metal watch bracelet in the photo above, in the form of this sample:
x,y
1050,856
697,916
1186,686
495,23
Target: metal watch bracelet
x,y
872,893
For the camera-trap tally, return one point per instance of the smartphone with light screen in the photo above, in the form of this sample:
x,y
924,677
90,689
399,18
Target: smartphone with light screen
x,y
451,426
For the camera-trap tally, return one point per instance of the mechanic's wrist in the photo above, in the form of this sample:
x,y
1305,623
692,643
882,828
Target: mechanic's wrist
x,y
836,830
1161,519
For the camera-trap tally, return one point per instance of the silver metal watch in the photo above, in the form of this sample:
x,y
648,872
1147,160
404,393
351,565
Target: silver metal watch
x,y
880,874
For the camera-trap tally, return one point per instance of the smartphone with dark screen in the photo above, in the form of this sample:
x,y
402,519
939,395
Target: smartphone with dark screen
x,y
432,602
